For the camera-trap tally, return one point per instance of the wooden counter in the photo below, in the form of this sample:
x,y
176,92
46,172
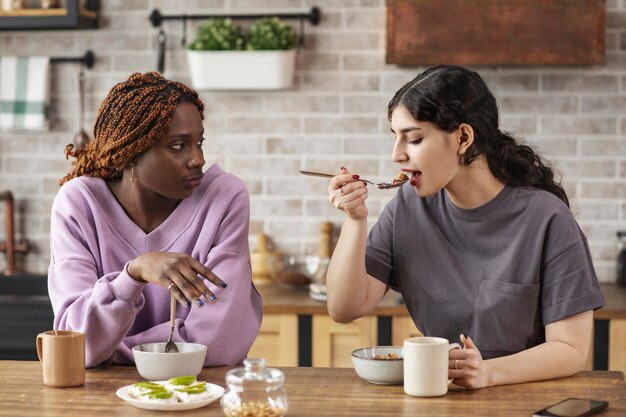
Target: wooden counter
x,y
312,392
282,299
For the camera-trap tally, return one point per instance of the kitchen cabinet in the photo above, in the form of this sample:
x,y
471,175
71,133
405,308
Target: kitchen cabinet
x,y
25,311
277,341
72,16
402,327
334,342
317,340
617,345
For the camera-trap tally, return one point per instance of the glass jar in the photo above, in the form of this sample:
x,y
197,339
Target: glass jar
x,y
49,4
621,258
255,390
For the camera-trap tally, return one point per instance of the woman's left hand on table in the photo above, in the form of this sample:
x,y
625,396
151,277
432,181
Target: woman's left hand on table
x,y
466,366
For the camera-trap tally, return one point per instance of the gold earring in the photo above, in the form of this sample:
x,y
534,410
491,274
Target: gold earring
x,y
132,180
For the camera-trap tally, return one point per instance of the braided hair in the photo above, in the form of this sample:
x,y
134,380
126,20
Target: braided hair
x,y
449,95
133,116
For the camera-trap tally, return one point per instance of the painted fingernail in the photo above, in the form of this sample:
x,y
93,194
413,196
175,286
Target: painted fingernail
x,y
223,284
212,298
356,177
199,302
187,303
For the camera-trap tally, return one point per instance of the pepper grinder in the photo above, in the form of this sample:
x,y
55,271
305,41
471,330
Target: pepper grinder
x,y
326,247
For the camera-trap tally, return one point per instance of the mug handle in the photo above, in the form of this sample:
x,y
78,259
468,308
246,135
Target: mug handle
x,y
452,347
39,344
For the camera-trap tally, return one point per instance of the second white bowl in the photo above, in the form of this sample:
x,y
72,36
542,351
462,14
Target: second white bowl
x,y
369,364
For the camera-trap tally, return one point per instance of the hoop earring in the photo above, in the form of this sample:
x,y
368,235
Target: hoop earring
x,y
133,179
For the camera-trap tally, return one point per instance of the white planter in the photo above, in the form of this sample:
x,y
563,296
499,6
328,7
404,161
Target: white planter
x,y
241,70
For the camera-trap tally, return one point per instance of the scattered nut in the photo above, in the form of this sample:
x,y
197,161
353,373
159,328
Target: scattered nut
x,y
254,409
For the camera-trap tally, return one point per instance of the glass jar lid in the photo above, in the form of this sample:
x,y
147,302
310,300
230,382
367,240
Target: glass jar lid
x,y
254,373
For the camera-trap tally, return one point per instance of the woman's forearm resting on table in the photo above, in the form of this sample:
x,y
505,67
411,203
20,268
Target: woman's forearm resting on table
x,y
564,353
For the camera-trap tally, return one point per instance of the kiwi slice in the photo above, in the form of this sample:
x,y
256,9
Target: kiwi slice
x,y
182,380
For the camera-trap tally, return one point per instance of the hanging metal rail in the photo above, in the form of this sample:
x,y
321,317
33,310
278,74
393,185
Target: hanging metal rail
x,y
313,16
88,60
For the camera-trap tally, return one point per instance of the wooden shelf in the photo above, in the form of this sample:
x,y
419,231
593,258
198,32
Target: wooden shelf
x,y
71,17
34,12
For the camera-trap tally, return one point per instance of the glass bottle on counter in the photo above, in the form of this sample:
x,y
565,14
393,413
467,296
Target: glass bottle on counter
x,y
255,390
621,258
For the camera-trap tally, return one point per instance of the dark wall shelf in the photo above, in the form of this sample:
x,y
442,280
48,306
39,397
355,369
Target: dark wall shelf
x,y
70,17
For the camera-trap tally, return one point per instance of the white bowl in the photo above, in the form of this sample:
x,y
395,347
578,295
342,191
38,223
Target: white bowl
x,y
155,365
379,371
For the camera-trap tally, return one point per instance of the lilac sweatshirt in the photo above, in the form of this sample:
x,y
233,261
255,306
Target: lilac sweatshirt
x,y
92,240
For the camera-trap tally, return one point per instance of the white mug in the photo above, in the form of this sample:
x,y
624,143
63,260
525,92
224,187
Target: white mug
x,y
426,366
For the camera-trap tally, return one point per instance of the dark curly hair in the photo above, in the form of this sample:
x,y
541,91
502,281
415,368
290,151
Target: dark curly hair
x,y
449,95
133,116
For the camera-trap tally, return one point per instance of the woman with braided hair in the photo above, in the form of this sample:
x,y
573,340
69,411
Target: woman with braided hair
x,y
137,219
479,241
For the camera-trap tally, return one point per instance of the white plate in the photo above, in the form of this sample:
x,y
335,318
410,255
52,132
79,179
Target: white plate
x,y
215,390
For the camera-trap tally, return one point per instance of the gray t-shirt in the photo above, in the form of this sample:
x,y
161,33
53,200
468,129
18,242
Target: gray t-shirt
x,y
498,273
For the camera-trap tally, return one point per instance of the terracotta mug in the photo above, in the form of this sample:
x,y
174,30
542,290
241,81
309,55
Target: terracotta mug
x,y
62,356
426,366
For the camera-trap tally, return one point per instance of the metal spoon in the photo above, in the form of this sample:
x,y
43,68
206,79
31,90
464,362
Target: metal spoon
x,y
381,186
170,346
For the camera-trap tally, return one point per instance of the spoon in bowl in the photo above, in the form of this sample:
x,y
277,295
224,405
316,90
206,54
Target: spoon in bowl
x,y
381,186
170,346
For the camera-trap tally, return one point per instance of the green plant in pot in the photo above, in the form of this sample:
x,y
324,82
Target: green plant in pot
x,y
271,34
221,57
218,35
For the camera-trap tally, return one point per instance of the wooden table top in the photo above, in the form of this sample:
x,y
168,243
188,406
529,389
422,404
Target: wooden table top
x,y
312,392
283,299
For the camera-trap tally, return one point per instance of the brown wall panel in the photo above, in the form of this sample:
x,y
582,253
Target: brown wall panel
x,y
495,32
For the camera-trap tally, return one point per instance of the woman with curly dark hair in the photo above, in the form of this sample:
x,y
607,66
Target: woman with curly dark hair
x,y
479,241
137,219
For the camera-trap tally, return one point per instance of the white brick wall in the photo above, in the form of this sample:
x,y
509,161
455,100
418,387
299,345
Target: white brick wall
x,y
336,115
